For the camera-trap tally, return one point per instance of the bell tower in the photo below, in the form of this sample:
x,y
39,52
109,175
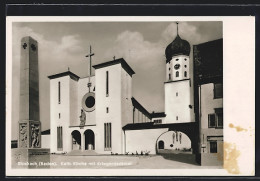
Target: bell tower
x,y
178,108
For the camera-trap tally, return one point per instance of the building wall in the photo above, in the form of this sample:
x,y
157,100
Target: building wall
x,y
208,104
74,115
126,95
45,141
113,102
142,140
178,105
63,108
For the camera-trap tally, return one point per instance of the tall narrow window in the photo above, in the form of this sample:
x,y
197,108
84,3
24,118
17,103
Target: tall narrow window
x,y
213,146
185,73
218,90
211,120
107,85
177,118
177,74
59,92
169,76
107,136
59,115
59,138
176,94
107,110
219,117
220,120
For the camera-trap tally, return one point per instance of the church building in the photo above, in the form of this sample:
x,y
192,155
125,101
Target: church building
x,y
99,114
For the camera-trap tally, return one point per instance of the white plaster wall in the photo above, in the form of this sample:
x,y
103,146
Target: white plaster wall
x,y
178,105
167,138
74,116
63,108
208,103
126,83
142,140
113,101
82,90
45,141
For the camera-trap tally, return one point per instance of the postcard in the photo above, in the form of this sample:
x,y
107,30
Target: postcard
x,y
130,96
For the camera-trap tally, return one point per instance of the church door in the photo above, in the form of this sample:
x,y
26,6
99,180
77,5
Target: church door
x,y
76,140
89,140
161,144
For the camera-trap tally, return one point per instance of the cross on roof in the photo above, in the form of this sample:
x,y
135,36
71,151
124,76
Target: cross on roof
x,y
24,46
89,55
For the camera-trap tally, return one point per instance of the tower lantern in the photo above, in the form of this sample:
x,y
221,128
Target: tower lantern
x,y
177,59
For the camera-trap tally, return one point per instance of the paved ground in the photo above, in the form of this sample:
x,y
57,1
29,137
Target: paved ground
x,y
179,161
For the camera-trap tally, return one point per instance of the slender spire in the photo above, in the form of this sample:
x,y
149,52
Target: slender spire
x,y
177,28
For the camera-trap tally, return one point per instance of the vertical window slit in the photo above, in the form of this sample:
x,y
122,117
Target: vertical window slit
x,y
107,84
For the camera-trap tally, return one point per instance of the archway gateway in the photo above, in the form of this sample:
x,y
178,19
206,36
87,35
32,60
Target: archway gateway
x,y
173,142
89,140
189,129
76,140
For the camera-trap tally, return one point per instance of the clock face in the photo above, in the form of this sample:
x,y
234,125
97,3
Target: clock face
x,y
177,66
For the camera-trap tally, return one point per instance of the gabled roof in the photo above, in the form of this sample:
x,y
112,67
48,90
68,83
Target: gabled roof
x,y
69,73
138,106
123,63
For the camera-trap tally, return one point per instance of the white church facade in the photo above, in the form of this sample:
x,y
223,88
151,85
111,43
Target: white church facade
x,y
99,112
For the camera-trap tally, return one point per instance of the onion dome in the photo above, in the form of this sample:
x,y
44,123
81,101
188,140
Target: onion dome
x,y
177,47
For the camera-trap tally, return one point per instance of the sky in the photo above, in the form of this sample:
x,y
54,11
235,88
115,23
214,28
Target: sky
x,y
141,44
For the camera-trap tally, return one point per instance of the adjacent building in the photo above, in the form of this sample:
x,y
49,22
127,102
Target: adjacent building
x,y
208,93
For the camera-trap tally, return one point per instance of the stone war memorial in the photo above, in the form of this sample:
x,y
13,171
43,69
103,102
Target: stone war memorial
x,y
29,152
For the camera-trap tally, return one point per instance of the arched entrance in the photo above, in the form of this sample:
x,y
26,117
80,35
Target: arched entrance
x,y
161,144
76,140
174,142
89,140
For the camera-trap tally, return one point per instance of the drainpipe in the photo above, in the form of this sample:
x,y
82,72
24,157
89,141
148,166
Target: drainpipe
x,y
125,141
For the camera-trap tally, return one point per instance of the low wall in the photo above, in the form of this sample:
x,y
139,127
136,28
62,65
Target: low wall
x,y
142,140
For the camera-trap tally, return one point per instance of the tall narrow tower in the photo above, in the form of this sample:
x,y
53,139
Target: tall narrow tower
x,y
29,123
177,87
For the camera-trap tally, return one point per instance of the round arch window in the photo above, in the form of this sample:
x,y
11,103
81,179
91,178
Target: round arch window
x,y
88,102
